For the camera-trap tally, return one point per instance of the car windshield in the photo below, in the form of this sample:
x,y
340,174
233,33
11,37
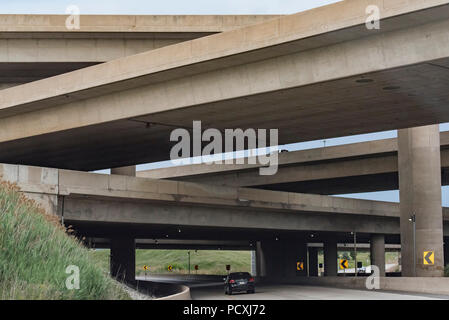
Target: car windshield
x,y
240,275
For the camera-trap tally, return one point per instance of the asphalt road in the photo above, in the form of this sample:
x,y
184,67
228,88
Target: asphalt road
x,y
211,289
297,292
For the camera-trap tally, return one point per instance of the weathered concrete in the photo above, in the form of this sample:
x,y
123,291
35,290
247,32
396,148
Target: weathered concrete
x,y
377,252
123,259
420,195
279,61
330,257
313,262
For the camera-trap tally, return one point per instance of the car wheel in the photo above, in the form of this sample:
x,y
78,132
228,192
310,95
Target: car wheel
x,y
251,291
230,292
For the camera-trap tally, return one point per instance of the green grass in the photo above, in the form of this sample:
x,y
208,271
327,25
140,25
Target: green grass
x,y
35,251
208,261
446,271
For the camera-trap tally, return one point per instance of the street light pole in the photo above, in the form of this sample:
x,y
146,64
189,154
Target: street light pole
x,y
188,253
355,252
413,220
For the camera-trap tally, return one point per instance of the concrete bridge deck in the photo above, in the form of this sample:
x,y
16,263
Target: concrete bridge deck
x,y
99,205
34,47
351,168
288,73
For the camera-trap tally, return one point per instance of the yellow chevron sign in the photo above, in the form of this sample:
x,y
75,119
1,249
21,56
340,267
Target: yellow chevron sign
x,y
344,264
299,266
429,258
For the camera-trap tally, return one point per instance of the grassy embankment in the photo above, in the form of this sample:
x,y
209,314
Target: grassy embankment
x,y
35,251
208,261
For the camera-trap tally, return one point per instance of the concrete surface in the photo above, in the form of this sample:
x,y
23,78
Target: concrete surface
x,y
34,47
193,73
296,292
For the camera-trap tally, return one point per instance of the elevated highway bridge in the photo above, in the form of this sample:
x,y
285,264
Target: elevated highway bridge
x,y
313,75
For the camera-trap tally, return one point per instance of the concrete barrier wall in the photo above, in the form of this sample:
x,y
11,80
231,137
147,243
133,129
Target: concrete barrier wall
x,y
418,285
184,294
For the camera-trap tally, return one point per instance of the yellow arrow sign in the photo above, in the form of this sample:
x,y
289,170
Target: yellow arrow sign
x,y
299,266
344,264
170,268
145,268
429,258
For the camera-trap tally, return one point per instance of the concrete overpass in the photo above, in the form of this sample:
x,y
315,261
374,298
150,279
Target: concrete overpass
x,y
352,168
319,79
289,73
124,208
34,47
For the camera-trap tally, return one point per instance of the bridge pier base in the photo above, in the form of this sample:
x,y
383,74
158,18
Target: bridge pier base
x,y
123,259
421,220
330,257
313,262
377,252
278,260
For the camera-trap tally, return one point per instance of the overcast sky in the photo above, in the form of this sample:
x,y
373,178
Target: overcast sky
x,y
203,7
162,6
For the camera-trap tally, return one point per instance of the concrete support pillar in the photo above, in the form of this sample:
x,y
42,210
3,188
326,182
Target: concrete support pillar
x,y
420,194
313,262
260,261
125,171
123,259
330,257
377,247
277,260
253,263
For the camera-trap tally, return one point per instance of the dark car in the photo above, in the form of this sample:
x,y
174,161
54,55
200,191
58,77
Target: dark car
x,y
239,282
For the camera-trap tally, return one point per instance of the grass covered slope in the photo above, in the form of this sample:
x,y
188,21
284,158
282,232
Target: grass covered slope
x,y
208,261
35,251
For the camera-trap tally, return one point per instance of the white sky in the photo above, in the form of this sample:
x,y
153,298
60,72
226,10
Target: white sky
x,y
204,7
161,6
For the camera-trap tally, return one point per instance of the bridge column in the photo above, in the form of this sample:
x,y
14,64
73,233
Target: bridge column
x,y
313,262
125,171
123,259
420,194
377,248
330,257
278,259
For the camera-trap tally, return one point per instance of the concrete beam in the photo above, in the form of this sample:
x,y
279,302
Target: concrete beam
x,y
358,167
277,61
